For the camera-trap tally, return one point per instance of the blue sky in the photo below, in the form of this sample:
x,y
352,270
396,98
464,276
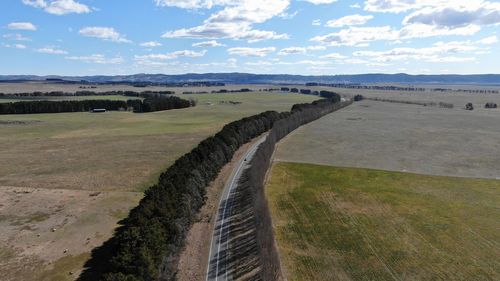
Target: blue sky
x,y
91,37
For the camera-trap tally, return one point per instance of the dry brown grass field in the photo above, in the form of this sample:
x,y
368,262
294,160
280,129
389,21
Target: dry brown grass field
x,y
458,99
10,88
400,137
66,179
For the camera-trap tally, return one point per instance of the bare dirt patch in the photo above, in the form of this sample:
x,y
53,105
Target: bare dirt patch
x,y
42,228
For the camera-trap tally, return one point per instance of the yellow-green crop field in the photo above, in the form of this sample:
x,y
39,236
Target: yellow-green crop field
x,y
360,224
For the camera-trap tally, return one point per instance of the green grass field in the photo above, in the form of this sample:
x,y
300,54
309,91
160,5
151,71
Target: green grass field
x,y
93,151
60,159
360,224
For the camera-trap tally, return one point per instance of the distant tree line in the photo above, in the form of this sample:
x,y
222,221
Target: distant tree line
x,y
227,91
159,104
323,94
143,94
399,88
32,107
367,87
470,91
163,84
146,105
147,244
430,104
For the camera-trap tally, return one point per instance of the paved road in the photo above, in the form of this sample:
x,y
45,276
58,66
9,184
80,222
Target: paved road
x,y
217,266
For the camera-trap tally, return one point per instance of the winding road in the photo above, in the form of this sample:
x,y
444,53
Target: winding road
x,y
217,269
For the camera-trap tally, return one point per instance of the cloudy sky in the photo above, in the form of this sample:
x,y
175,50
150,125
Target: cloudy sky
x,y
87,37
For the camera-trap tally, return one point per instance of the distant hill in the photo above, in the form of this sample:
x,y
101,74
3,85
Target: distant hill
x,y
246,78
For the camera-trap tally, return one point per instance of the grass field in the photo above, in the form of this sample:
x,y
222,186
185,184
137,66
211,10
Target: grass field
x,y
80,173
94,151
400,137
360,224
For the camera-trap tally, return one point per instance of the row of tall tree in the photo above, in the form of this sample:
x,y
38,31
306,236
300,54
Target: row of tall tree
x,y
32,107
149,240
324,94
265,255
146,105
159,104
143,94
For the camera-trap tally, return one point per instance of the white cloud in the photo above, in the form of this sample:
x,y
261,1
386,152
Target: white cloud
x,y
356,35
334,56
355,6
96,58
211,43
51,51
316,22
251,52
316,48
21,26
319,2
16,46
59,7
488,40
279,62
312,62
443,13
398,6
234,21
105,33
16,36
150,44
349,21
361,36
422,31
439,52
183,67
173,55
455,15
288,16
259,63
292,51
188,4
429,18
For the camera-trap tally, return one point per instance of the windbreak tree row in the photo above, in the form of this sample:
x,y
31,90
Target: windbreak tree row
x,y
159,104
252,197
146,105
149,240
147,244
143,94
32,107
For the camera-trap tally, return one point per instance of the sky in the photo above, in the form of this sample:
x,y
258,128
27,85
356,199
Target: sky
x,y
309,37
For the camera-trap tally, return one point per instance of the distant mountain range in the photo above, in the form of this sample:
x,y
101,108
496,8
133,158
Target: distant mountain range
x,y
246,78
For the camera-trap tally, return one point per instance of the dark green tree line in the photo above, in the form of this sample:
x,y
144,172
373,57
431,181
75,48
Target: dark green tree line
x,y
149,240
146,105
